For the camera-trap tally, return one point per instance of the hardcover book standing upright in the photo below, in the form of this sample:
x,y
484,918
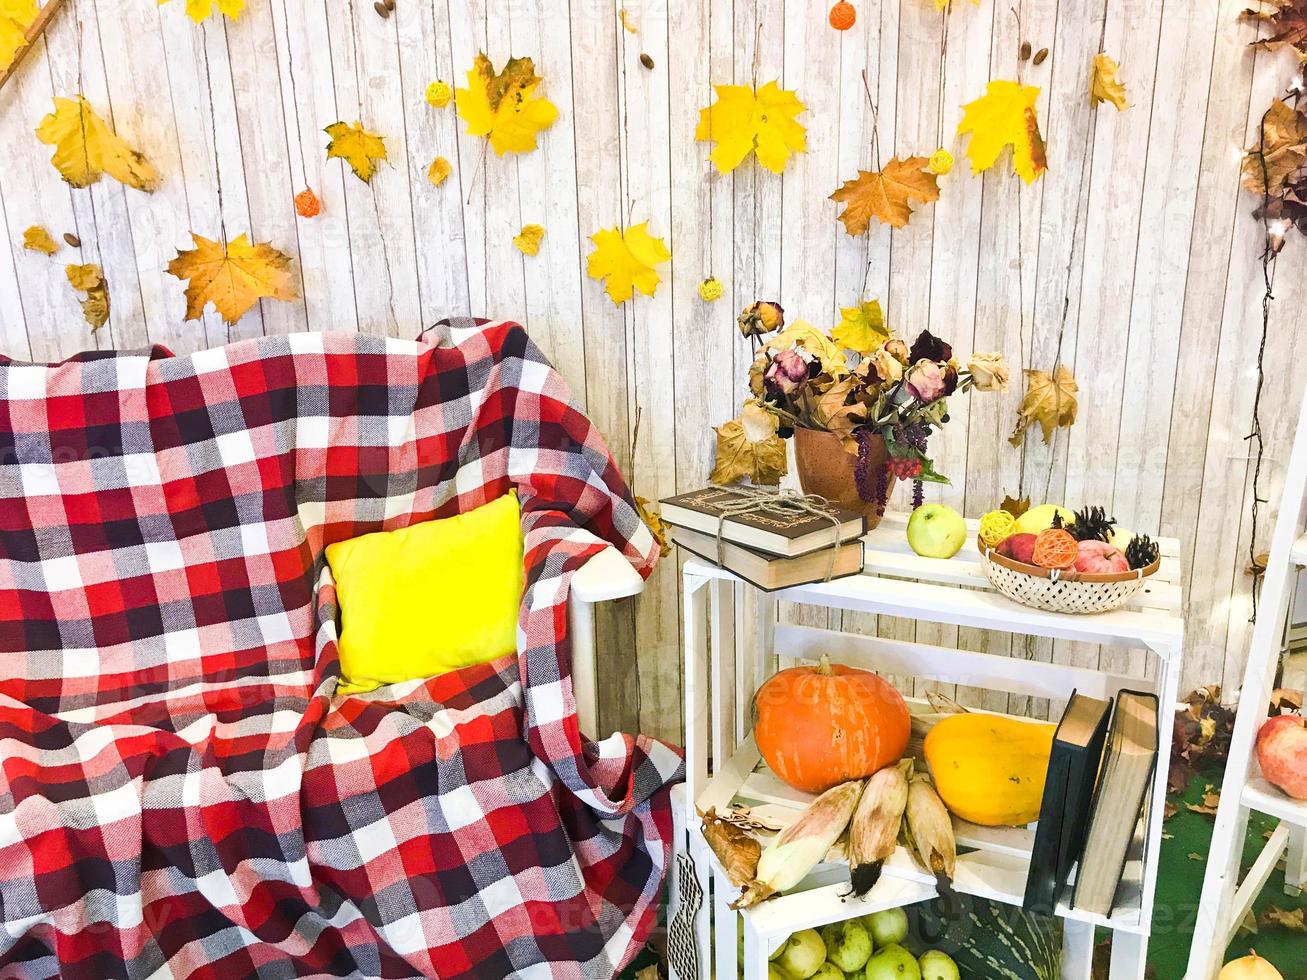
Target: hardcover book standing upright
x,y
1068,789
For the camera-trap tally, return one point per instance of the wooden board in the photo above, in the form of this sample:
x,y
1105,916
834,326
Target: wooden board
x,y
1133,259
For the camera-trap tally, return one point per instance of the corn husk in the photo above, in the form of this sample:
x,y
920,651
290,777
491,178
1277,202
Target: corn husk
x,y
736,849
930,833
802,845
874,832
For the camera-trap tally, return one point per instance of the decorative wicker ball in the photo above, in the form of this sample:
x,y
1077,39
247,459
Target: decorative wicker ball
x,y
842,16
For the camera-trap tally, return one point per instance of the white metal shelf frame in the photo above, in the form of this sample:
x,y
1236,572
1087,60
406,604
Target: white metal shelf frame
x,y
733,642
1225,900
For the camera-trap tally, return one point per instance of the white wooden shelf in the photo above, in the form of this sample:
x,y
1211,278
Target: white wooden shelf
x,y
1260,795
1298,553
733,642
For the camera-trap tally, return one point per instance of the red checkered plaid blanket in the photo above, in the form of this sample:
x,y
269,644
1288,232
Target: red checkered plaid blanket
x,y
181,793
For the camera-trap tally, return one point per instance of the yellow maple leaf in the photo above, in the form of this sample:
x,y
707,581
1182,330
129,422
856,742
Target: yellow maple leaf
x,y
37,239
1280,150
861,328
440,169
1005,116
503,107
1104,85
626,260
198,10
232,276
884,194
16,17
942,4
654,521
741,121
749,448
357,147
89,279
802,334
528,239
85,147
1049,400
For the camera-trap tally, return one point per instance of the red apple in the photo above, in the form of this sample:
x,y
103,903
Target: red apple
x,y
1282,754
1019,547
1100,558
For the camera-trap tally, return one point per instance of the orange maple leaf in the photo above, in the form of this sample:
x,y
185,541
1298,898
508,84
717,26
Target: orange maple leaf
x,y
885,194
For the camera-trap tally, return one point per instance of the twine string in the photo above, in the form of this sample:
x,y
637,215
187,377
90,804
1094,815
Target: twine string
x,y
775,503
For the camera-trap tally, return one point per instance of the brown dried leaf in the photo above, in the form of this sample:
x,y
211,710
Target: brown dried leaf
x,y
1284,136
1287,20
1195,856
749,448
1050,400
89,279
1104,86
654,521
737,850
884,194
1283,698
1201,808
1169,810
1291,919
1014,506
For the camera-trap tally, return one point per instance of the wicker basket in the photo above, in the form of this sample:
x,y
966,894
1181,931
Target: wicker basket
x,y
1061,590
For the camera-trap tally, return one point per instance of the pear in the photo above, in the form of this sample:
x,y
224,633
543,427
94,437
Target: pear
x,y
848,944
802,955
892,963
887,926
937,965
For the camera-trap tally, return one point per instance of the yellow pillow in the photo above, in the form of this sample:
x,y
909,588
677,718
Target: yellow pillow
x,y
429,598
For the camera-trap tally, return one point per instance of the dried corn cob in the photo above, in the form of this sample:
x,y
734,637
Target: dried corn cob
x,y
930,832
799,848
736,849
874,832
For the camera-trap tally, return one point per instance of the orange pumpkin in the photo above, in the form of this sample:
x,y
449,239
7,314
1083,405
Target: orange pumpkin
x,y
823,725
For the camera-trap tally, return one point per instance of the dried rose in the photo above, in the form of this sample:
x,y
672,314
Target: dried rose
x,y
756,369
886,365
926,381
950,378
788,369
989,372
898,350
761,318
928,347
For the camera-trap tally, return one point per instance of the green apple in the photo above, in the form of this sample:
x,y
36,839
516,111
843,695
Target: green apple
x,y
1120,538
1040,518
892,963
887,926
936,531
802,955
828,971
938,965
848,944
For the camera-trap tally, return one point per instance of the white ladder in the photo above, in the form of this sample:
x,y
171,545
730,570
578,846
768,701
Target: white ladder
x,y
1225,900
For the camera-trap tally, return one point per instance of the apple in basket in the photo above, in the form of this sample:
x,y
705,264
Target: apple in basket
x,y
1282,753
1019,547
1099,558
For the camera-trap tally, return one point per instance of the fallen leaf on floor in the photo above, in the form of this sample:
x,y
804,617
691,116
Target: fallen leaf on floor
x,y
1212,800
1169,810
232,276
37,239
885,194
1167,836
357,147
1195,856
89,279
85,147
1293,919
1201,808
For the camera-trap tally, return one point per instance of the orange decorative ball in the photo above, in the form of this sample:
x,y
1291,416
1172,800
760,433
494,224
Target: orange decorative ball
x,y
842,16
1055,548
824,725
307,204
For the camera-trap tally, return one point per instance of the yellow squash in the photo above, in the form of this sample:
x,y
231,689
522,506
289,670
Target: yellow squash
x,y
989,769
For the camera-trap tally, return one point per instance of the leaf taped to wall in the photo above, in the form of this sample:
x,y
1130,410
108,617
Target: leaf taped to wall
x,y
233,276
742,121
503,107
198,10
625,261
1005,116
85,147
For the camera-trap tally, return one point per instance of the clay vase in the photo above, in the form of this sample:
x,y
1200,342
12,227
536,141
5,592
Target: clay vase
x,y
826,468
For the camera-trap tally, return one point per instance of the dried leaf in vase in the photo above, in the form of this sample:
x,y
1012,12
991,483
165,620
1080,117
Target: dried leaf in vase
x,y
737,850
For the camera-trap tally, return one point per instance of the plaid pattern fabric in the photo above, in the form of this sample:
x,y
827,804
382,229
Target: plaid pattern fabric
x,y
181,793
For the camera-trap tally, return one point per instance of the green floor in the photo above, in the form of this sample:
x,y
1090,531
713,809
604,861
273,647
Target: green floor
x,y
1180,880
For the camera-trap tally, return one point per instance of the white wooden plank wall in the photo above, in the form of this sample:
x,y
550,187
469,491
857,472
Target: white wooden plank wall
x,y
1134,259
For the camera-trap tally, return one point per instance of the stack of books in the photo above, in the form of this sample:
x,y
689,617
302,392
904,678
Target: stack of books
x,y
1094,794
770,551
